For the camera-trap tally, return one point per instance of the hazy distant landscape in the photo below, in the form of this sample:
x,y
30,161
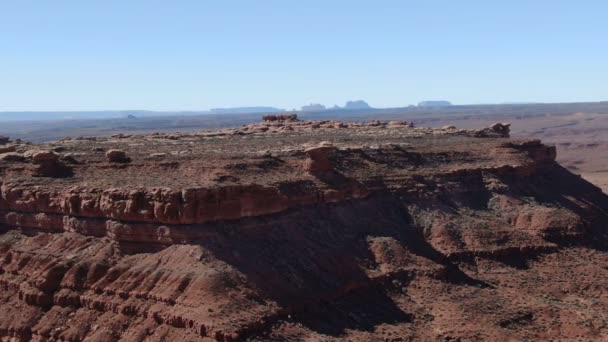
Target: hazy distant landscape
x,y
45,126
579,130
118,114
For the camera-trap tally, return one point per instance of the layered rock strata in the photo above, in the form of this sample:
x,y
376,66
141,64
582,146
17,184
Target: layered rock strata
x,y
298,230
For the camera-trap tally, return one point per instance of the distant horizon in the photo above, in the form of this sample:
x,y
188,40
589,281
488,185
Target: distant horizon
x,y
297,109
16,116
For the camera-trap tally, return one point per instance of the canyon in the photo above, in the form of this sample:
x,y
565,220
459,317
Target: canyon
x,y
291,230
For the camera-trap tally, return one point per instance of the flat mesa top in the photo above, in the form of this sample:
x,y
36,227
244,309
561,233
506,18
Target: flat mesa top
x,y
265,153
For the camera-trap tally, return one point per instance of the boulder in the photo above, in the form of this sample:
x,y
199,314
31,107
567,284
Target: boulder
x,y
117,156
497,130
319,159
47,164
502,129
4,140
42,156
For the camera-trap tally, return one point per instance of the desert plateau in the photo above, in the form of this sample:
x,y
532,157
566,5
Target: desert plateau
x,y
303,171
308,230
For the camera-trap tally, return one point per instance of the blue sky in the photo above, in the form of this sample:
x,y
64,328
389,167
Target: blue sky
x,y
197,54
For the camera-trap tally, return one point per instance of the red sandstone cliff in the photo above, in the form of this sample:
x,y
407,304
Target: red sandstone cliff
x,y
292,230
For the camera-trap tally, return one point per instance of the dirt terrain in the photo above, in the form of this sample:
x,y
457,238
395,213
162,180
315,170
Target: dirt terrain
x,y
580,130
290,230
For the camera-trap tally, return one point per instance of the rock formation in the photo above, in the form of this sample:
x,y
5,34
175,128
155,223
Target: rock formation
x,y
117,156
290,230
47,164
495,130
319,159
281,117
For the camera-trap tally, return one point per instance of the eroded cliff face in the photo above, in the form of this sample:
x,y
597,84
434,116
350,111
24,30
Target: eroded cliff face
x,y
294,230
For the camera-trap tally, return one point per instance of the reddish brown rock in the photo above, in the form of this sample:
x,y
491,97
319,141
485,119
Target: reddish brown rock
x,y
117,156
42,156
319,159
386,233
47,164
495,130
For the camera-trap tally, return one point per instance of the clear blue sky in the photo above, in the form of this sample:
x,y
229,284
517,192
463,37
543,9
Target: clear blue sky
x,y
197,54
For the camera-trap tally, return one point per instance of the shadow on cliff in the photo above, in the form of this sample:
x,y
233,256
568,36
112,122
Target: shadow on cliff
x,y
555,186
312,261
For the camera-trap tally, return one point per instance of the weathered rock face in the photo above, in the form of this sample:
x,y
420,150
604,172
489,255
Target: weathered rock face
x,y
319,159
117,156
48,164
495,130
502,129
359,232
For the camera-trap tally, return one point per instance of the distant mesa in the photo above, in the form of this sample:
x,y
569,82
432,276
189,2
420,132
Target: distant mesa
x,y
313,107
245,110
350,105
359,104
434,104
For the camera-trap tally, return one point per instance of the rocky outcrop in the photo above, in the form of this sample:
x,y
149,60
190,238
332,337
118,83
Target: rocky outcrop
x,y
47,164
117,156
495,130
162,205
387,232
319,159
280,117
